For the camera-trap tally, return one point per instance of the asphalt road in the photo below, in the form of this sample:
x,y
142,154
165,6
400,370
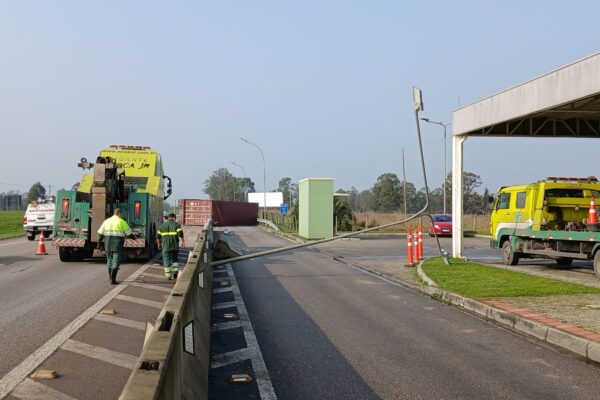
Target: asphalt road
x,y
39,296
327,330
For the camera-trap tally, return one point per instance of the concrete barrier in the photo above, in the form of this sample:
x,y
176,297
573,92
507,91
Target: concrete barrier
x,y
174,362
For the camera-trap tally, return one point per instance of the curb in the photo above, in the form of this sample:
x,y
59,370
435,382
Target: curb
x,y
581,346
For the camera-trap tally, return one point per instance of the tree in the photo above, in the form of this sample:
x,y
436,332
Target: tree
x,y
285,188
386,192
366,201
221,185
342,214
243,187
471,199
293,194
36,191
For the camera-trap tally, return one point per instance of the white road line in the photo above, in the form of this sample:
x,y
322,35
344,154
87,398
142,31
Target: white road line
x,y
137,300
21,371
100,353
227,304
10,244
153,287
263,380
226,325
121,321
220,360
32,390
223,289
164,278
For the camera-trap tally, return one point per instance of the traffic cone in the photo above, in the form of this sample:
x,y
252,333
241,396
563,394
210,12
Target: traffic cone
x,y
592,216
410,250
41,250
420,238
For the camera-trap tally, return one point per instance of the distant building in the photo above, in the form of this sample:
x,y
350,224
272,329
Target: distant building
x,y
13,202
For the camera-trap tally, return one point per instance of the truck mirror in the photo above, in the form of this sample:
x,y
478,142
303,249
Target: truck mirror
x,y
169,186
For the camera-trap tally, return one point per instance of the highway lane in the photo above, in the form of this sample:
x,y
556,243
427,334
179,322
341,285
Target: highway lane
x,y
39,296
327,330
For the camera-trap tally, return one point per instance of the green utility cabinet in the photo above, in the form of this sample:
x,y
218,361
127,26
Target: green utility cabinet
x,y
315,208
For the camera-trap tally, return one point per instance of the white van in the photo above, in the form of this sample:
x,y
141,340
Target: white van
x,y
38,217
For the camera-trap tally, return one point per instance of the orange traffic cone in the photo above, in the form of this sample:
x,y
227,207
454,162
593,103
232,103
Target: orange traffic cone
x,y
41,250
592,216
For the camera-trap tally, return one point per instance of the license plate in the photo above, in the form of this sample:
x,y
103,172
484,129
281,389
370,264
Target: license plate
x,y
445,230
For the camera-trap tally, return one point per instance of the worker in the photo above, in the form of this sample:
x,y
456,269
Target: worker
x,y
113,232
167,237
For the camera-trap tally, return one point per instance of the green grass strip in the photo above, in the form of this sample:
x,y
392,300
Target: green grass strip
x,y
476,280
11,224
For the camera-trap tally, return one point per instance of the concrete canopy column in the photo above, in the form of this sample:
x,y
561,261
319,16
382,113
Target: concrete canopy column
x,y
457,195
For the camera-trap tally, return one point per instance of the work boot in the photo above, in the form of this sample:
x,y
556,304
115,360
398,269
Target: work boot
x,y
174,275
113,277
109,272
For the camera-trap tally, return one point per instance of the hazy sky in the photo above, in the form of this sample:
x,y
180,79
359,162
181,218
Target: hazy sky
x,y
324,87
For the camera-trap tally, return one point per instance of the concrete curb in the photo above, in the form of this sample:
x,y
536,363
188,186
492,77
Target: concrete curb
x,y
581,346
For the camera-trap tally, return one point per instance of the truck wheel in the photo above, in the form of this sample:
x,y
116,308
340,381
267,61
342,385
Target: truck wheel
x,y
508,255
31,236
597,264
64,254
47,234
564,261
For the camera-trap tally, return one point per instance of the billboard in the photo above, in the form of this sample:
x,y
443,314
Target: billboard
x,y
274,199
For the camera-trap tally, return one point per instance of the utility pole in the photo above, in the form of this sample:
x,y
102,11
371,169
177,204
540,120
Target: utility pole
x,y
445,162
404,182
264,176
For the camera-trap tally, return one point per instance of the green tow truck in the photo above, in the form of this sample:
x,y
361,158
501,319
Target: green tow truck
x,y
547,219
127,177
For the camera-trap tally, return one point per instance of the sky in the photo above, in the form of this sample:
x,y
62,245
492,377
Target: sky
x,y
323,87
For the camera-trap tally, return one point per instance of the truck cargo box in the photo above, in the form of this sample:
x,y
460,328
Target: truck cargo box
x,y
197,212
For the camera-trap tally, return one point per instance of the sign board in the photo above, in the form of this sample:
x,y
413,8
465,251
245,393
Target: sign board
x,y
283,209
274,199
188,338
418,99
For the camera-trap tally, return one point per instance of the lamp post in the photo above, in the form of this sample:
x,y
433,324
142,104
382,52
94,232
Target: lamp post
x,y
245,175
443,125
264,176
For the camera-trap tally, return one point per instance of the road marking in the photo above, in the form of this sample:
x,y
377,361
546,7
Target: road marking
x,y
227,304
220,360
155,276
100,353
223,290
121,321
137,300
10,244
32,390
226,325
21,371
153,287
263,380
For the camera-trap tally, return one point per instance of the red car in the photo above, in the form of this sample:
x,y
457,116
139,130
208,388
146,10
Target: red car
x,y
442,223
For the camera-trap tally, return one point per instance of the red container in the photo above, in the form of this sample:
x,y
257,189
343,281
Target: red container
x,y
223,213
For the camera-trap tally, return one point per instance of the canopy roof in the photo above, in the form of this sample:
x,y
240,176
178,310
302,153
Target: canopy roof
x,y
561,103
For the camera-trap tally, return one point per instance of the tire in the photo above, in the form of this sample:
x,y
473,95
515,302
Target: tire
x,y
564,261
508,255
47,234
31,237
597,264
65,254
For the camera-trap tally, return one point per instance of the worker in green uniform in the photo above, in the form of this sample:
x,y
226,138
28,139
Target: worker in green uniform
x,y
113,232
167,237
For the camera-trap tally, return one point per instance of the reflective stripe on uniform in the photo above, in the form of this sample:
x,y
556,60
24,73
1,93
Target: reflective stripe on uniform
x,y
167,233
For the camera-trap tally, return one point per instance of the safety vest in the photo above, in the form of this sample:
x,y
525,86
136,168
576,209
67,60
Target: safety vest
x,y
169,233
115,226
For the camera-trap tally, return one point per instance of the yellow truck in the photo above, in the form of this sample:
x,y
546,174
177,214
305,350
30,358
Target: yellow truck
x,y
547,219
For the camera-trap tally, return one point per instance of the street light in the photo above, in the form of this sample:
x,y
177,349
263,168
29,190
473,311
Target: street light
x,y
443,125
264,176
245,175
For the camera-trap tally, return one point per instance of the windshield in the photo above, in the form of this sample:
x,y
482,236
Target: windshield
x,y
442,218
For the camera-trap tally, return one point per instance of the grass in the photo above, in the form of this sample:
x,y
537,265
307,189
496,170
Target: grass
x,y
476,280
11,224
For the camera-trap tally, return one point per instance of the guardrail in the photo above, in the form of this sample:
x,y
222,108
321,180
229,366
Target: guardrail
x,y
174,362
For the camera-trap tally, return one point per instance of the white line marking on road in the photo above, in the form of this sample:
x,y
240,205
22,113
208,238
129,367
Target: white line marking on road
x,y
164,278
140,301
223,289
153,287
100,353
263,380
226,325
227,304
21,371
10,244
220,360
121,321
32,390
